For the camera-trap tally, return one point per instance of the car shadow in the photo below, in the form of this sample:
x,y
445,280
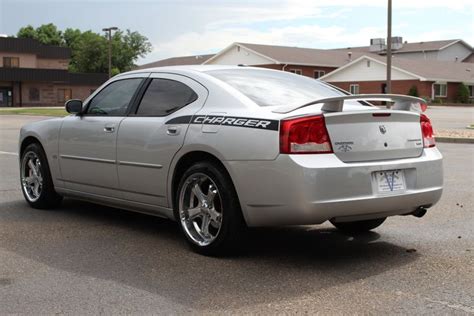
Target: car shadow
x,y
149,253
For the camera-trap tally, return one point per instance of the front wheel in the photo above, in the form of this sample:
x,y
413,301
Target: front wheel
x,y
359,226
208,209
36,182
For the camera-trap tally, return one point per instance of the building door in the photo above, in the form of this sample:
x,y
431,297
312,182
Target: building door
x,y
6,98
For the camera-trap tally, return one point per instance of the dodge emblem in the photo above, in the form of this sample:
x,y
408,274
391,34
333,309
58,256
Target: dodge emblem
x,y
382,129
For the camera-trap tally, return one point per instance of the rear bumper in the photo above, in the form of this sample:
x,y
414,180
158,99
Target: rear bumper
x,y
310,189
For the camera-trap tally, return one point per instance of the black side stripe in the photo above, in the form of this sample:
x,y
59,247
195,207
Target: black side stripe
x,y
236,121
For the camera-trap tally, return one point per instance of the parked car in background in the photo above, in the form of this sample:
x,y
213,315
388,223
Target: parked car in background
x,y
218,148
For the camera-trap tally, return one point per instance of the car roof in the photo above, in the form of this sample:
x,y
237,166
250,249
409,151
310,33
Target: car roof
x,y
192,68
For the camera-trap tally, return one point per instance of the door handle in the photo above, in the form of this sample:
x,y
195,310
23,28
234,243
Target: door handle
x,y
109,129
173,130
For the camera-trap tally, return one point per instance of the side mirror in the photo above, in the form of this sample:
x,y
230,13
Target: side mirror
x,y
74,106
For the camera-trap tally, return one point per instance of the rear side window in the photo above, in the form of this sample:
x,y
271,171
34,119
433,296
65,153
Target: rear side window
x,y
164,96
115,98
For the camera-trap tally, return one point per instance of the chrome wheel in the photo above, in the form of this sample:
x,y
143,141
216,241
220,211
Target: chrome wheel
x,y
31,176
200,209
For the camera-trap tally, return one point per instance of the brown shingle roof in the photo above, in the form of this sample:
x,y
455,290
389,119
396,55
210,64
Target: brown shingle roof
x,y
429,70
437,70
305,56
407,47
51,75
32,46
177,61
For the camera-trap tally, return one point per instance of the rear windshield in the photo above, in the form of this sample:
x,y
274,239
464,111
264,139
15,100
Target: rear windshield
x,y
275,88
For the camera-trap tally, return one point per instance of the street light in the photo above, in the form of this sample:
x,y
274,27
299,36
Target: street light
x,y
109,31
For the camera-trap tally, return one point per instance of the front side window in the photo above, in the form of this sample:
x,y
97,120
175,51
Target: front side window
x,y
115,98
354,89
275,88
440,89
164,96
11,62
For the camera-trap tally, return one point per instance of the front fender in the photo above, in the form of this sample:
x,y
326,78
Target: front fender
x,y
46,132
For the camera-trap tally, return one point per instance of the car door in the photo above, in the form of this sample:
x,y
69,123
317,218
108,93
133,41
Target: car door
x,y
87,144
146,143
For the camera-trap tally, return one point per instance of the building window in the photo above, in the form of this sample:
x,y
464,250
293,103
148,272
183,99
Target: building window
x,y
354,89
440,89
64,95
34,94
319,73
471,91
296,71
11,62
368,63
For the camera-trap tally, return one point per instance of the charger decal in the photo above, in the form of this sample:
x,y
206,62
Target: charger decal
x,y
249,122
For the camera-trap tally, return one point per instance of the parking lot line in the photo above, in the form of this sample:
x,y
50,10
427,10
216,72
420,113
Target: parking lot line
x,y
8,153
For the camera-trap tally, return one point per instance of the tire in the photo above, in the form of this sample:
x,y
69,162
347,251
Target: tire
x,y
35,179
359,226
208,209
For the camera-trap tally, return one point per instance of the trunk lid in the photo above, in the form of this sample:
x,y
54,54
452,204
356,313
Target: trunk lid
x,y
374,135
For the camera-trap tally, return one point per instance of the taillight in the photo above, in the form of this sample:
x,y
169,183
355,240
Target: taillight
x,y
427,131
305,135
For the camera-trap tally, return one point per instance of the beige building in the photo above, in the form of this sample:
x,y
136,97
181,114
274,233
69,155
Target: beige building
x,y
32,74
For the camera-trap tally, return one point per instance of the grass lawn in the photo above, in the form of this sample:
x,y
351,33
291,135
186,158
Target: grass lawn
x,y
34,111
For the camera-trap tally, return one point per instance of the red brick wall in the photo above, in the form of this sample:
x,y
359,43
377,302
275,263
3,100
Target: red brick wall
x,y
49,93
452,92
398,86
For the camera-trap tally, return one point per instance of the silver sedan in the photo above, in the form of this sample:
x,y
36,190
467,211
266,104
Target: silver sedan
x,y
220,148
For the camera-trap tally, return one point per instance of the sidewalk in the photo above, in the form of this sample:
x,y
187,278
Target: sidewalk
x,y
455,136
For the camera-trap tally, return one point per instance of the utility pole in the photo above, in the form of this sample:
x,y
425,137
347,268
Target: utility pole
x,y
389,48
109,31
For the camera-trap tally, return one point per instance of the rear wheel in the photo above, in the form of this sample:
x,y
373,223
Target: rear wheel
x,y
36,182
359,226
208,209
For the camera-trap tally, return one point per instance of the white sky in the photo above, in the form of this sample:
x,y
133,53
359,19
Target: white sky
x,y
177,28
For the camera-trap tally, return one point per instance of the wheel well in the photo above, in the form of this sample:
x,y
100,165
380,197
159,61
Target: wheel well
x,y
27,141
186,161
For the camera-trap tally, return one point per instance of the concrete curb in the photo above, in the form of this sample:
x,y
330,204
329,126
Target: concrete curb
x,y
446,139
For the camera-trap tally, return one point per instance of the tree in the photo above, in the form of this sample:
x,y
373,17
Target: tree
x,y
89,50
127,47
463,93
413,91
47,34
27,32
89,53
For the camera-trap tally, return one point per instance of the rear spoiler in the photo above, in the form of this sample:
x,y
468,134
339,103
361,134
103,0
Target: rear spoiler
x,y
336,104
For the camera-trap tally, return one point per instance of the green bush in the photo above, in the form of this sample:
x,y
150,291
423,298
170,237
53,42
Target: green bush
x,y
463,93
413,91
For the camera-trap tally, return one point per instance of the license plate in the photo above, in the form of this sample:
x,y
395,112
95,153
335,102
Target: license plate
x,y
390,181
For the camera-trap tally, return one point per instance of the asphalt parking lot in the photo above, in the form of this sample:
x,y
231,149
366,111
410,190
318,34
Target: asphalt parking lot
x,y
87,259
449,117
